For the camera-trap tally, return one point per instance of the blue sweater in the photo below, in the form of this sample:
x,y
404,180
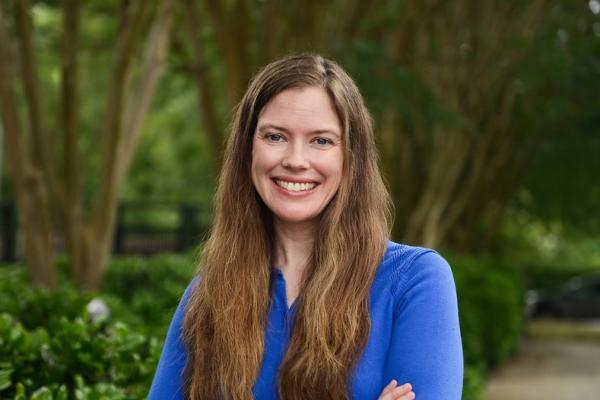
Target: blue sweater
x,y
415,335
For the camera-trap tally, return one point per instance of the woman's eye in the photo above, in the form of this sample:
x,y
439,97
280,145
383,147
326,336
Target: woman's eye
x,y
322,141
274,137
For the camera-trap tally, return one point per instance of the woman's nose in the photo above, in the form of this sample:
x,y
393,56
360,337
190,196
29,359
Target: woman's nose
x,y
295,157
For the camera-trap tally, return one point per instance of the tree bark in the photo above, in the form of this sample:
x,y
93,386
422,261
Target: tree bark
x,y
71,207
26,179
230,23
40,145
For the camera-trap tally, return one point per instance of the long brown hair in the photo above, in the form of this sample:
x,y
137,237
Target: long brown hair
x,y
226,314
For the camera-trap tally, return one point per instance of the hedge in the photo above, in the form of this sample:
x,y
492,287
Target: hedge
x,y
553,276
77,359
491,309
51,349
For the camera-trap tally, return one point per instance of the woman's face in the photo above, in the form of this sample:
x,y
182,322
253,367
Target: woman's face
x,y
297,154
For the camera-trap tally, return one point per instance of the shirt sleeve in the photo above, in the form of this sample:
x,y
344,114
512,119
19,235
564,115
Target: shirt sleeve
x,y
168,378
426,348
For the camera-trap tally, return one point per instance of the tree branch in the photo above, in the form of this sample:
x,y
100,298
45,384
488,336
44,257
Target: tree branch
x,y
230,35
123,54
153,65
206,98
70,98
16,157
72,206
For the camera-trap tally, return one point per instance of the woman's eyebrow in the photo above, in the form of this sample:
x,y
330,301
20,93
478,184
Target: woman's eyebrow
x,y
280,128
271,126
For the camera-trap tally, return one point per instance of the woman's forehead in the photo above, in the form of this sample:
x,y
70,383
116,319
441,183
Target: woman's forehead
x,y
304,109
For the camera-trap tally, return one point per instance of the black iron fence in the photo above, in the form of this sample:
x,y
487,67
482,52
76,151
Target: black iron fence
x,y
141,228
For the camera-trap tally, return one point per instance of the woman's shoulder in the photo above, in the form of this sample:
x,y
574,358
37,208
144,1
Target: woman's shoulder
x,y
402,258
405,266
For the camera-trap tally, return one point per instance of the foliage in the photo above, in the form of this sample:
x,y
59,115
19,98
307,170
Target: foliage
x,y
141,291
53,348
399,53
490,296
38,307
559,185
551,277
474,382
77,358
150,289
550,252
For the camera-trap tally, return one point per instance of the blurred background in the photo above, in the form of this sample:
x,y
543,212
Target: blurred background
x,y
114,114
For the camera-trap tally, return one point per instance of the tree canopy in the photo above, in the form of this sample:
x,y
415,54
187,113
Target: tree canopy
x,y
480,107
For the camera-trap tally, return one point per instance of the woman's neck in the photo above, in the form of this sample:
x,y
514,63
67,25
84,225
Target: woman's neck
x,y
293,246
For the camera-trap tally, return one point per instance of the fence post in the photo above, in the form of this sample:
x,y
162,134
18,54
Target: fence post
x,y
9,232
187,231
120,230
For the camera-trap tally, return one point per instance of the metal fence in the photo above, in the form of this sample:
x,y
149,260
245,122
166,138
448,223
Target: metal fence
x,y
141,228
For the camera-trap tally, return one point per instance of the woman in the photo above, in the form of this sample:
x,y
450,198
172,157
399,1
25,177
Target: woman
x,y
300,294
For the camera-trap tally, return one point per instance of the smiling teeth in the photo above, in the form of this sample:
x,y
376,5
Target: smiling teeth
x,y
295,186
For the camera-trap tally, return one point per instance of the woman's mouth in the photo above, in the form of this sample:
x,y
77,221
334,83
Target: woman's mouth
x,y
295,186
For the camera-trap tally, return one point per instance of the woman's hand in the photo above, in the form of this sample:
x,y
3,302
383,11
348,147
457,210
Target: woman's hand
x,y
394,392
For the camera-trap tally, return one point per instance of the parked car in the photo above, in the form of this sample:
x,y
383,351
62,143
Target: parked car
x,y
579,298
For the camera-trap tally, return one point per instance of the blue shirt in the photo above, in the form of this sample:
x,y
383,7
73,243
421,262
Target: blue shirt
x,y
415,334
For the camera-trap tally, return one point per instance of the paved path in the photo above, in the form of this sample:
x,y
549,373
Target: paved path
x,y
549,368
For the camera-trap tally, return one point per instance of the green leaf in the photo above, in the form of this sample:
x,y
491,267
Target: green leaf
x,y
62,393
20,394
5,381
42,393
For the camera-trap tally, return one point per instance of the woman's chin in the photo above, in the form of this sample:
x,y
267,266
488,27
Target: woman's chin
x,y
296,218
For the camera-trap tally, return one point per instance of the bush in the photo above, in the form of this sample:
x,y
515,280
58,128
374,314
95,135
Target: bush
x,y
553,276
490,296
37,307
78,359
142,292
474,382
49,348
145,292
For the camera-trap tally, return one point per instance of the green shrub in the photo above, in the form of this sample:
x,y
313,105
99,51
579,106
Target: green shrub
x,y
145,292
490,297
78,358
35,306
49,349
141,292
552,276
474,382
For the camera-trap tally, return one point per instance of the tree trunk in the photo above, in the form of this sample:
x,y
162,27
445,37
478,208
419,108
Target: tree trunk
x,y
27,181
71,207
37,231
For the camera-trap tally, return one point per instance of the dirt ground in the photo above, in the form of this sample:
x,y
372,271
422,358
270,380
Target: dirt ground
x,y
551,366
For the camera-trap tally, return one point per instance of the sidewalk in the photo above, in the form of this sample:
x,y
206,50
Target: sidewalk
x,y
558,360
